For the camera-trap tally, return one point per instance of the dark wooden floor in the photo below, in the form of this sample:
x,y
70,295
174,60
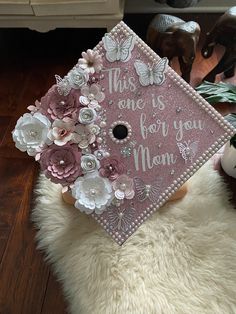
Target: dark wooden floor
x,y
28,62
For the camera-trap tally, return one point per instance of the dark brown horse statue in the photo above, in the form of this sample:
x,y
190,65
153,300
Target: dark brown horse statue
x,y
169,36
223,33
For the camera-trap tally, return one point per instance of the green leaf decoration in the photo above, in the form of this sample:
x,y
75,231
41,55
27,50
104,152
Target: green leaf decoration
x,y
217,92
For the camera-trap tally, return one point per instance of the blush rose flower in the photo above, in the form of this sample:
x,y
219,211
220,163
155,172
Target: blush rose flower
x,y
92,193
87,115
61,107
111,167
31,133
123,187
61,132
91,61
89,163
34,108
83,136
77,77
92,96
61,164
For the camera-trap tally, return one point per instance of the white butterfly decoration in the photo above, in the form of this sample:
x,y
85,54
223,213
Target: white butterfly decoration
x,y
188,150
120,219
147,191
118,50
63,85
149,75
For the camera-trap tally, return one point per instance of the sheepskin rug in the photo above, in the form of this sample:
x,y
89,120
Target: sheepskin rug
x,y
181,260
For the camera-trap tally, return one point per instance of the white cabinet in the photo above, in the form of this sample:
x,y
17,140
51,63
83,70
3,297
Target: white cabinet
x,y
45,15
74,7
8,7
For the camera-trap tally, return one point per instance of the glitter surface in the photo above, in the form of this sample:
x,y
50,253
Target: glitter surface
x,y
182,117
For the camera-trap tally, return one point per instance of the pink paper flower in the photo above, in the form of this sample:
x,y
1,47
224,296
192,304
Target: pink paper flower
x,y
61,164
92,96
123,187
83,136
91,61
34,108
61,132
61,107
111,168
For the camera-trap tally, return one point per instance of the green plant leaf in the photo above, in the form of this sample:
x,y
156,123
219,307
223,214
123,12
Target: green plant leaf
x,y
217,92
231,118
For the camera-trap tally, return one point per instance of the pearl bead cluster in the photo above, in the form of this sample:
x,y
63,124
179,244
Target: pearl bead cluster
x,y
202,103
113,125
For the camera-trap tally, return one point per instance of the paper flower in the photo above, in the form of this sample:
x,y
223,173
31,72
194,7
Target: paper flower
x,y
30,133
89,163
34,108
91,61
83,136
92,193
61,132
61,164
61,107
92,96
77,77
111,168
87,115
94,129
123,187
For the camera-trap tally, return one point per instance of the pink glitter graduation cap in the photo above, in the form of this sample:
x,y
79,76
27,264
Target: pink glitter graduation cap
x,y
123,131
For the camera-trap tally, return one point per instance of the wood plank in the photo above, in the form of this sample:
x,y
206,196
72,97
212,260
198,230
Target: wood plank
x,y
4,124
12,187
23,273
54,298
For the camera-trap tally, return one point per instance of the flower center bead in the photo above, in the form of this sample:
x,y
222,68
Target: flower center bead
x,y
62,132
90,63
120,215
123,186
62,162
86,116
91,96
110,168
33,133
93,192
62,102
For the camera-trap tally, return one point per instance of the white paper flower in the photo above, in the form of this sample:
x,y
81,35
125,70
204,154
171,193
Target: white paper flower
x,y
89,163
61,132
91,96
31,133
77,77
91,61
83,136
92,193
87,115
94,129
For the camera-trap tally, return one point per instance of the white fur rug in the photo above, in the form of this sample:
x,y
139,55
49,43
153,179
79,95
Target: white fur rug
x,y
181,260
